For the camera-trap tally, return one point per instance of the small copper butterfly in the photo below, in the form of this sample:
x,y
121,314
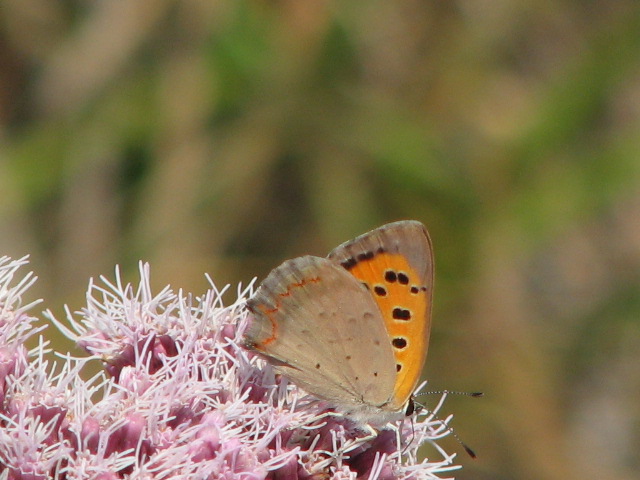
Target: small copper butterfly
x,y
352,328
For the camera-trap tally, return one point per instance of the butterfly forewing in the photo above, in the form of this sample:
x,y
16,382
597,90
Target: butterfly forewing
x,y
396,263
316,323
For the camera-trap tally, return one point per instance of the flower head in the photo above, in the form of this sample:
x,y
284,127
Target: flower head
x,y
178,398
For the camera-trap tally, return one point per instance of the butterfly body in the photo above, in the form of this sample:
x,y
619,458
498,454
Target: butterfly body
x,y
352,328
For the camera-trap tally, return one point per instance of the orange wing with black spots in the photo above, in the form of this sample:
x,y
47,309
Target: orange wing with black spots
x,y
395,262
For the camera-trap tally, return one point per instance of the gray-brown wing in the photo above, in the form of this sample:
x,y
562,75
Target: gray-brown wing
x,y
320,327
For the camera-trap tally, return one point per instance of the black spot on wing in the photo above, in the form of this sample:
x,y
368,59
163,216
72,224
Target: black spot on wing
x,y
380,291
401,313
365,256
399,342
349,263
390,276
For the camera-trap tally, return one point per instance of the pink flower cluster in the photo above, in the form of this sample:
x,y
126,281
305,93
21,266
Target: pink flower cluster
x,y
177,398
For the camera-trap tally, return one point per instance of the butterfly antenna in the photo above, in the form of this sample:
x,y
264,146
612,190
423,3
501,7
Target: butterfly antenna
x,y
451,392
449,428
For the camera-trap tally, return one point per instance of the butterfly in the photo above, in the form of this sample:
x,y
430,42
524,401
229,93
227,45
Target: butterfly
x,y
352,328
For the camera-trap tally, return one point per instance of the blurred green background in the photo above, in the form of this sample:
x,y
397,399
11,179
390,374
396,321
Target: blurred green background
x,y
224,137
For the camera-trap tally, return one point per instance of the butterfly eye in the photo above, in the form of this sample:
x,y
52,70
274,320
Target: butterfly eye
x,y
410,408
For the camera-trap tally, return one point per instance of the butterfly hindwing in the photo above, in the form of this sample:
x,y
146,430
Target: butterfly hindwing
x,y
317,324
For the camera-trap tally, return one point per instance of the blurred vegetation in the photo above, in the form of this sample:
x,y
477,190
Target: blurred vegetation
x,y
224,137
